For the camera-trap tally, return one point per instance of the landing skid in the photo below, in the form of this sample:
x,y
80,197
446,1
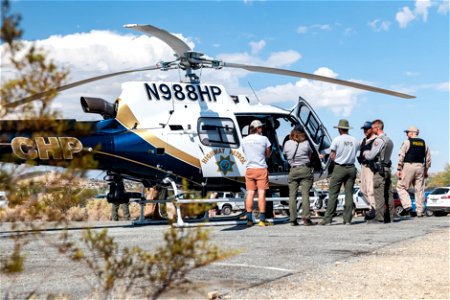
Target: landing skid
x,y
205,220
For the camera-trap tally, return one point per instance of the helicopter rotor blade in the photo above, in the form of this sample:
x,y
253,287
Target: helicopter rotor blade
x,y
270,70
77,83
178,45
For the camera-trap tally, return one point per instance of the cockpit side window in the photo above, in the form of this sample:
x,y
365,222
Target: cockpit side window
x,y
217,132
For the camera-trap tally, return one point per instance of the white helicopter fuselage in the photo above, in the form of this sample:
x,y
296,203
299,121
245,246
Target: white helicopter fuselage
x,y
203,126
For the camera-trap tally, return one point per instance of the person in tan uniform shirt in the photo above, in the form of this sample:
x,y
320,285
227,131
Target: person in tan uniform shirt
x,y
414,160
366,175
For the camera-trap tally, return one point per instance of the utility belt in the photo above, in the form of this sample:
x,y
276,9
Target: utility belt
x,y
378,167
308,165
362,161
345,165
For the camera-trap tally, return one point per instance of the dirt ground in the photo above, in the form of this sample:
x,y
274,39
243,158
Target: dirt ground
x,y
411,269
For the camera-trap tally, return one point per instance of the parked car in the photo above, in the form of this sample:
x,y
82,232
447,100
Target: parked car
x,y
3,200
439,201
399,208
226,208
360,203
315,201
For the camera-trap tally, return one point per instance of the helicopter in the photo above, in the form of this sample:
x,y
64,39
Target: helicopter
x,y
184,130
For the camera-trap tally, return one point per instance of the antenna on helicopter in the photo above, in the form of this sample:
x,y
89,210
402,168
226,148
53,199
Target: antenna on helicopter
x,y
256,96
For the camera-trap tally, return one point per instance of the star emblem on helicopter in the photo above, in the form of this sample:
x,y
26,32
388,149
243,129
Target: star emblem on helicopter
x,y
225,164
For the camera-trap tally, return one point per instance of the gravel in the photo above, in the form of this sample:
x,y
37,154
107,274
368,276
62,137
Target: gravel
x,y
411,269
403,260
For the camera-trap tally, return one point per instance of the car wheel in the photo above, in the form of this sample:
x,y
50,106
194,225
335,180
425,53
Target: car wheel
x,y
226,210
429,213
398,210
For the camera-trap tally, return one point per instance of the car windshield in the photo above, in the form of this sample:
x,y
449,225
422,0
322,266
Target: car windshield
x,y
440,191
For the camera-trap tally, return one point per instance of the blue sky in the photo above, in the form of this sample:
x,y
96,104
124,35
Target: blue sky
x,y
400,45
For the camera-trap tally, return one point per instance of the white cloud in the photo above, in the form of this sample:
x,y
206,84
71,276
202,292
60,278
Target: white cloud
x,y
283,58
411,74
421,9
404,16
349,31
444,7
275,59
322,26
442,86
302,29
257,46
378,25
435,153
340,100
305,29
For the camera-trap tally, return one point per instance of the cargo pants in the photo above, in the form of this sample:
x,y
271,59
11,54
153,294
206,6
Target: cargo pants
x,y
367,184
412,174
384,201
299,176
342,175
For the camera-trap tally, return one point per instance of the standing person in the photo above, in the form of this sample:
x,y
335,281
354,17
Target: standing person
x,y
256,149
343,153
379,158
366,174
298,153
115,211
414,160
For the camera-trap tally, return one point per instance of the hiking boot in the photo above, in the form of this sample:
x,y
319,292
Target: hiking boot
x,y
294,223
369,215
308,222
325,223
405,212
264,223
249,223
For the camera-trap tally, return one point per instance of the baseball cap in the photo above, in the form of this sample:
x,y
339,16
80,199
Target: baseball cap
x,y
413,129
367,125
256,124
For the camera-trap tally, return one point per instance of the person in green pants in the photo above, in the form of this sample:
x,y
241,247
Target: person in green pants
x,y
343,153
298,153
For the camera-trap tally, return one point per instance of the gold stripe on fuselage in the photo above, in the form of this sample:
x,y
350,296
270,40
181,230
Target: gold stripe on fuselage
x,y
139,163
127,118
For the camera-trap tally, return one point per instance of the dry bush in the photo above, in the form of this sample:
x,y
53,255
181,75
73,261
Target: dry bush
x,y
77,214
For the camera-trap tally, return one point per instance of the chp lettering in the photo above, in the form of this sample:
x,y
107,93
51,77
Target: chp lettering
x,y
182,92
44,148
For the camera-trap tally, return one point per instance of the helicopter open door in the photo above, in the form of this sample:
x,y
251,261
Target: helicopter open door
x,y
318,135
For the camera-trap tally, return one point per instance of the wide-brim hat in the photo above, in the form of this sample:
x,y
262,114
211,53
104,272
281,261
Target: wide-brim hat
x,y
343,124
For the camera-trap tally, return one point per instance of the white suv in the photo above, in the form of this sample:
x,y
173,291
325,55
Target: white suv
x,y
315,201
226,208
360,202
438,201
